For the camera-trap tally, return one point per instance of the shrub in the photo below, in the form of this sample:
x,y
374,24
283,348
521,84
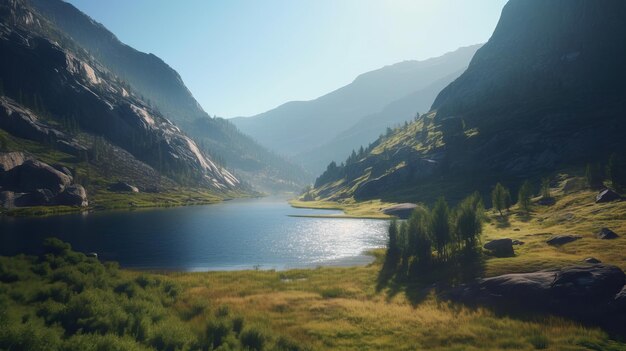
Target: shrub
x,y
253,339
216,333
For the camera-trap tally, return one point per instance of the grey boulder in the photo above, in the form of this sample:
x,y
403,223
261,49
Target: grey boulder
x,y
563,239
500,247
607,234
74,195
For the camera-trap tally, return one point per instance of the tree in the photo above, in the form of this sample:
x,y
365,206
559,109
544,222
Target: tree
x,y
393,247
499,198
616,172
545,188
469,222
440,224
419,236
524,195
508,202
593,175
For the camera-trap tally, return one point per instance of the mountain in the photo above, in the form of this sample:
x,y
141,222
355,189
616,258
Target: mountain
x,y
162,87
369,127
56,95
298,128
545,93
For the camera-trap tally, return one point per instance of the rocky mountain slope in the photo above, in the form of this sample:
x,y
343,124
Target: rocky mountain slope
x,y
545,93
57,95
311,131
163,88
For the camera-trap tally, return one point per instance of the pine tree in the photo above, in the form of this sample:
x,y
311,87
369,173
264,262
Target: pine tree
x,y
616,172
593,175
393,247
498,198
545,189
440,222
524,195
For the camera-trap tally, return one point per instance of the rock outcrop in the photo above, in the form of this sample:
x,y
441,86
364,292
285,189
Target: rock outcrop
x,y
74,195
402,211
592,292
123,188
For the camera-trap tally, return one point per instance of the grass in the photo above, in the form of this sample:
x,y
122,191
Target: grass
x,y
352,209
344,308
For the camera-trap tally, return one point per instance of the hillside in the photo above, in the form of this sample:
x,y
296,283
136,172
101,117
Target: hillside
x,y
298,128
161,87
61,99
532,102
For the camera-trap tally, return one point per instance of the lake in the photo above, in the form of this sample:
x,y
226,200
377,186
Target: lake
x,y
233,235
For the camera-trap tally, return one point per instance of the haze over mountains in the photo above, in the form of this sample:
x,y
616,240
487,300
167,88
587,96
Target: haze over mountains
x,y
161,87
544,94
314,132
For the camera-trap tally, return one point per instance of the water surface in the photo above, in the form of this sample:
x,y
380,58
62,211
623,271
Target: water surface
x,y
238,234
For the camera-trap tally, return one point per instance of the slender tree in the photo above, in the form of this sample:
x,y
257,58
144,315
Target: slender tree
x,y
393,247
498,198
524,195
469,222
593,175
545,189
616,172
440,224
420,237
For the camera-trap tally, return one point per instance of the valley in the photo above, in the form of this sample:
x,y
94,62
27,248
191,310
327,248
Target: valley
x,y
471,199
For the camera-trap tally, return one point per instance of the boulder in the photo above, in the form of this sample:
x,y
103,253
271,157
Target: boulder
x,y
402,211
33,175
518,242
606,234
574,184
10,160
607,195
563,239
570,287
500,247
7,199
123,188
63,170
92,254
74,195
39,197
619,301
592,260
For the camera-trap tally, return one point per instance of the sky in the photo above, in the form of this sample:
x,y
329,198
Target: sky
x,y
244,57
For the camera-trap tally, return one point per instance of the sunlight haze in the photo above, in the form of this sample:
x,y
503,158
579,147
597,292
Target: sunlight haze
x,y
241,58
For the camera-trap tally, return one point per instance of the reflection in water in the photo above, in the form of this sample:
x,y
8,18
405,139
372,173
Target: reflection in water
x,y
239,234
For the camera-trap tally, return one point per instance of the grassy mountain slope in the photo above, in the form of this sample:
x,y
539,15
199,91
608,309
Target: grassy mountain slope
x,y
532,102
163,88
300,126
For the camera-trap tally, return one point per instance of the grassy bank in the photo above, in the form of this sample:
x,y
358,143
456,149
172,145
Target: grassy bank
x,y
351,208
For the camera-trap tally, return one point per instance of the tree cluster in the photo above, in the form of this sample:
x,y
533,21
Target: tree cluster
x,y
436,235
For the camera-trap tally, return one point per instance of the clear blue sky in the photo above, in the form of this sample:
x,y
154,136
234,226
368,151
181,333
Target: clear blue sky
x,y
243,57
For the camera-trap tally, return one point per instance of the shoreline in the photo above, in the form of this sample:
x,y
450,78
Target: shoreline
x,y
353,209
364,259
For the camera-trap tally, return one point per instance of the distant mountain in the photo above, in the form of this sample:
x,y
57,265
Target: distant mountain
x,y
546,93
299,128
57,95
372,126
162,87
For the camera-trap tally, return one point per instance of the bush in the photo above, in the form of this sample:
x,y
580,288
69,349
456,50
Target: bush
x,y
216,333
253,339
